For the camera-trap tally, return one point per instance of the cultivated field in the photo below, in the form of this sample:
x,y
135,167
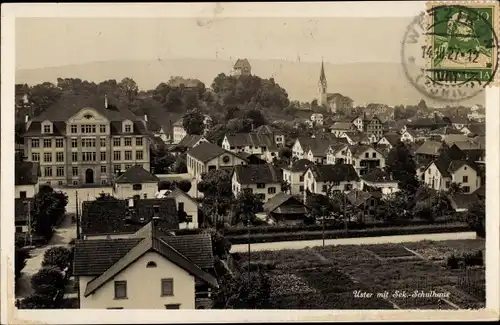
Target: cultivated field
x,y
401,274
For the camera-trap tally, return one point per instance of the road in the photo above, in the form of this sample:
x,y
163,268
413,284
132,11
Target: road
x,y
352,241
62,236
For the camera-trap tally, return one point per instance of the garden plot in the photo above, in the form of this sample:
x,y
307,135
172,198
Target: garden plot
x,y
440,250
461,298
345,254
328,280
390,251
288,284
285,259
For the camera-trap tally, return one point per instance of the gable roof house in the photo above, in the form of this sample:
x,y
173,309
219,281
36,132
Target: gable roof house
x,y
390,139
187,207
26,175
338,152
365,203
366,158
356,137
474,129
319,179
428,151
263,180
178,269
380,179
285,209
187,142
294,175
136,183
279,136
340,127
252,143
242,68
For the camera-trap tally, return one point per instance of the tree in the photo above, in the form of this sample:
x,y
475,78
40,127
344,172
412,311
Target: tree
x,y
285,152
165,185
217,192
128,89
246,205
180,166
253,292
455,188
194,122
285,186
58,256
216,134
20,261
422,106
256,117
48,281
476,217
106,197
402,167
44,95
37,301
162,161
239,125
220,245
183,185
48,207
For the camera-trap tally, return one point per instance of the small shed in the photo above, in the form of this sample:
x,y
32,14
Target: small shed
x,y
285,209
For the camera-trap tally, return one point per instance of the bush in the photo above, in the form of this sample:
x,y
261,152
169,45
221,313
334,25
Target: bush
x,y
20,261
183,185
452,262
37,301
57,256
47,277
474,259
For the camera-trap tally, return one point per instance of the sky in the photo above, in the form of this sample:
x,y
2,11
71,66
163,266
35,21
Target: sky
x,y
48,42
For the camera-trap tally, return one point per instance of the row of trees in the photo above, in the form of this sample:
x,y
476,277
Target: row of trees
x,y
48,208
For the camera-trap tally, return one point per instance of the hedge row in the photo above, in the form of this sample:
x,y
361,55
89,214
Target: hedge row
x,y
334,234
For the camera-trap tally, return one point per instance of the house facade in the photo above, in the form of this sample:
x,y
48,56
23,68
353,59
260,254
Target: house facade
x,y
85,141
380,179
441,173
262,180
136,183
262,145
366,158
294,176
320,179
26,179
336,152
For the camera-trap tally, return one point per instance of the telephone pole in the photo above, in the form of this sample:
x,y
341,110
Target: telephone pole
x,y
28,203
77,217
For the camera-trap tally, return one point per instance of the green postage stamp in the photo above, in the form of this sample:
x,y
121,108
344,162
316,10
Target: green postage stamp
x,y
458,49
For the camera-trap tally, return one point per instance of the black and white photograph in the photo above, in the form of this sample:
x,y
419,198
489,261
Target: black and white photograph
x,y
226,156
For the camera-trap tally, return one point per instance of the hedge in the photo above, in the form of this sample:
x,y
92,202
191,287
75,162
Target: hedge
x,y
351,233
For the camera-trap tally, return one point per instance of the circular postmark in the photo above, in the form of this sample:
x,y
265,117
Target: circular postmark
x,y
450,52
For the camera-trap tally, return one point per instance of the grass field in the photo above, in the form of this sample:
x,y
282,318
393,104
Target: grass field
x,y
405,276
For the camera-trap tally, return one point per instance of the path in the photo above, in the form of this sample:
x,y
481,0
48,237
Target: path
x,y
352,241
62,236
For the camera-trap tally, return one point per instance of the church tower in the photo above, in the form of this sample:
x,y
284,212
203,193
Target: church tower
x,y
322,86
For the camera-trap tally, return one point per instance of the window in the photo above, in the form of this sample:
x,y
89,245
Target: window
x,y
324,188
128,128
88,128
47,156
117,155
116,168
167,287
117,142
139,155
59,156
74,143
156,208
173,306
75,183
74,156
347,187
60,183
88,156
60,171
120,289
74,129
367,154
465,179
301,188
447,184
102,142
35,143
180,206
271,190
374,155
104,182
128,142
127,167
128,155
74,171
48,172
46,129
261,185
145,195
88,143
301,178
103,169
137,187
103,156
102,128
151,264
59,143
466,189
47,143
309,175
35,156
22,194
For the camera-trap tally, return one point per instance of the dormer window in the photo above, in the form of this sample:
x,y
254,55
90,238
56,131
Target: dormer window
x,y
47,127
127,127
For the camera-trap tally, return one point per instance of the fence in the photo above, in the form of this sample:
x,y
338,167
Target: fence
x,y
472,283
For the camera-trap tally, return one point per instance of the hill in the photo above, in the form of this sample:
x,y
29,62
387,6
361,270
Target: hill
x,y
363,82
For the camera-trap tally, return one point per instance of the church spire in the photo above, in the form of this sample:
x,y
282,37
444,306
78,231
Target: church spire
x,y
322,76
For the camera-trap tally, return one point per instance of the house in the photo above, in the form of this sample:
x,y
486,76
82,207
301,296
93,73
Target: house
x,y
476,129
390,139
113,218
472,150
188,142
263,180
178,130
146,270
408,136
302,145
428,151
356,137
477,113
376,108
338,153
358,122
380,179
333,102
428,124
187,207
136,183
445,170
207,156
278,135
317,119
320,179
444,132
22,210
339,128
161,124
365,204
366,158
86,140
459,122
26,175
461,202
294,175
399,126
252,143
285,209
242,68
373,125
252,159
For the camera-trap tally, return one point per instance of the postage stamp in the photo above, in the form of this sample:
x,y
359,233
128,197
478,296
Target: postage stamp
x,y
450,51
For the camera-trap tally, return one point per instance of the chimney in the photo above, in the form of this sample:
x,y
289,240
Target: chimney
x,y
105,101
146,117
130,203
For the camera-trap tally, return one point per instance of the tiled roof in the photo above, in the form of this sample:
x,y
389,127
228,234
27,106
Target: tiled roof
x,y
478,129
252,140
281,199
459,120
445,130
190,140
21,209
197,248
206,151
334,173
357,197
113,216
178,192
342,126
300,165
241,63
392,137
137,175
26,172
253,174
358,149
429,148
462,201
378,175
